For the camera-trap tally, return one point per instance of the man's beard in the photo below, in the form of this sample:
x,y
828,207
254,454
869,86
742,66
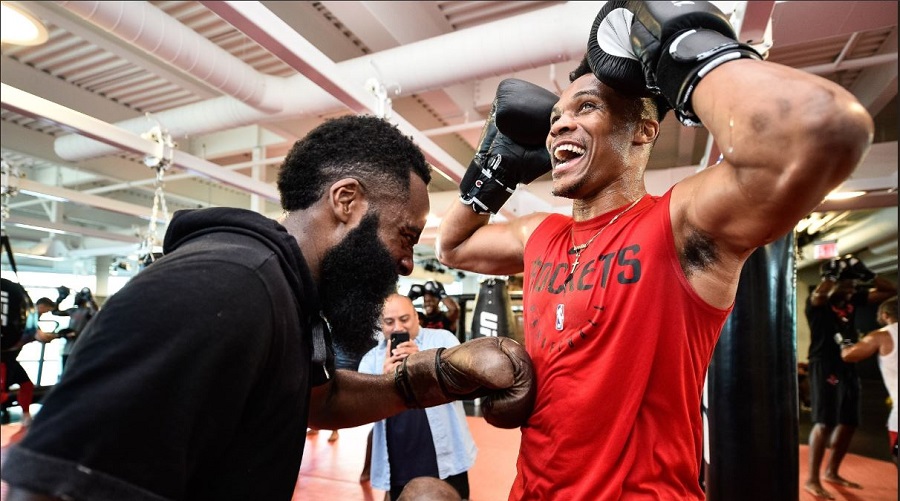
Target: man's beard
x,y
357,276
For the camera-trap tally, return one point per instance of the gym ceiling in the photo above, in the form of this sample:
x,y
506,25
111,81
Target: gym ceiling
x,y
221,90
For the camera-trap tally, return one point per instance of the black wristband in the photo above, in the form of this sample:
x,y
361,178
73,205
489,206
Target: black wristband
x,y
401,381
687,58
437,372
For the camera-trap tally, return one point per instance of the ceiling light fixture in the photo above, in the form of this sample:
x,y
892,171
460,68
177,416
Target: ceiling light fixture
x,y
844,195
43,195
38,257
20,27
40,228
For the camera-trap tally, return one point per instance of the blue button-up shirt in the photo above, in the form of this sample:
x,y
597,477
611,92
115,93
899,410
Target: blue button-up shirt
x,y
453,443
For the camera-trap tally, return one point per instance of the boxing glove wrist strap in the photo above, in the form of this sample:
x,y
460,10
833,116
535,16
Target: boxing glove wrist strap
x,y
687,59
486,194
401,381
437,371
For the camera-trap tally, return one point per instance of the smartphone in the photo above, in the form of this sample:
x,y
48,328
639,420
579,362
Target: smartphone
x,y
399,337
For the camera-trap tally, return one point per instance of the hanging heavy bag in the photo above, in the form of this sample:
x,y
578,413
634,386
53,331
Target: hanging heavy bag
x,y
493,315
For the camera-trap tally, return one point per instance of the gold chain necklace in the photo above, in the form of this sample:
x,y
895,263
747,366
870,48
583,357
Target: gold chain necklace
x,y
578,248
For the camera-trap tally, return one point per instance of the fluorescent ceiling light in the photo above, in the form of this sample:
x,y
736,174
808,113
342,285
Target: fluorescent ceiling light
x,y
43,195
20,27
40,258
40,228
844,195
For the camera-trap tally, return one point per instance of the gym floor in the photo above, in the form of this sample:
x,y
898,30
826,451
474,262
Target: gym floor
x,y
330,470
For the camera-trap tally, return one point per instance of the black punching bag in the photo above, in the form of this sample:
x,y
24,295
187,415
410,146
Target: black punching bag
x,y
752,385
493,311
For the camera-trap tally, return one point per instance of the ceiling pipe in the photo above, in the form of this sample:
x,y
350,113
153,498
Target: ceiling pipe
x,y
273,34
29,105
521,42
146,26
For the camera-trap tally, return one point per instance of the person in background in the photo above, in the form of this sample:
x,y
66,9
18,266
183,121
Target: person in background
x,y
80,314
44,305
11,371
433,296
846,285
883,342
432,442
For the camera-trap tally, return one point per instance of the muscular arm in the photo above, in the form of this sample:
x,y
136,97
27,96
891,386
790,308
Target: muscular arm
x,y
882,290
787,138
352,399
866,347
466,241
452,311
822,291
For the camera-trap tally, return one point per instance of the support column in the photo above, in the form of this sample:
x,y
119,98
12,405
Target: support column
x,y
102,264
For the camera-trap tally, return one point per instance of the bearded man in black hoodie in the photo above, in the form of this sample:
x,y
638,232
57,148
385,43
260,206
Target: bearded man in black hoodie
x,y
199,378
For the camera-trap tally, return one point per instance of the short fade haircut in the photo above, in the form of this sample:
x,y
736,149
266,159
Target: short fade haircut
x,y
889,308
646,107
363,147
46,301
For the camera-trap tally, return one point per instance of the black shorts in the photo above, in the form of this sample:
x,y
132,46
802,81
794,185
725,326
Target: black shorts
x,y
834,393
14,372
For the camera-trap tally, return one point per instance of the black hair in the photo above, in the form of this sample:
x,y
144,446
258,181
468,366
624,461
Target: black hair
x,y
364,147
581,70
645,107
46,301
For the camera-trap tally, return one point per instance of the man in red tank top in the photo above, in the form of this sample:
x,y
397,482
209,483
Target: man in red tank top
x,y
625,298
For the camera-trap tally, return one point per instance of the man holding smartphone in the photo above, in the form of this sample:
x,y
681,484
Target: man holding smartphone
x,y
432,442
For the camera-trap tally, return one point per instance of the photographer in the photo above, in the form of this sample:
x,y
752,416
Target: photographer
x,y
433,442
846,285
85,308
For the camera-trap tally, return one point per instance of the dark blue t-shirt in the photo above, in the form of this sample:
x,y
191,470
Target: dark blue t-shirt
x,y
410,445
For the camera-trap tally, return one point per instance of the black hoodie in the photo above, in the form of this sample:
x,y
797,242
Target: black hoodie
x,y
193,381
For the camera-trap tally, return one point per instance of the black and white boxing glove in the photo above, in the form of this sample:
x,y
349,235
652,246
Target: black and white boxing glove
x,y
833,269
435,289
857,270
496,369
676,43
512,148
612,59
63,293
416,291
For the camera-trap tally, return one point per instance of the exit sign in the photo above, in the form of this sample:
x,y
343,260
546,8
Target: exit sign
x,y
825,250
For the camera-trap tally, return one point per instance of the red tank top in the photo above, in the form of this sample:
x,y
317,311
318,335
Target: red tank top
x,y
620,356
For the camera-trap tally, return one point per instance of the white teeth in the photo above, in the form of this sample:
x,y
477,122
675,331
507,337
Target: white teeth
x,y
577,150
